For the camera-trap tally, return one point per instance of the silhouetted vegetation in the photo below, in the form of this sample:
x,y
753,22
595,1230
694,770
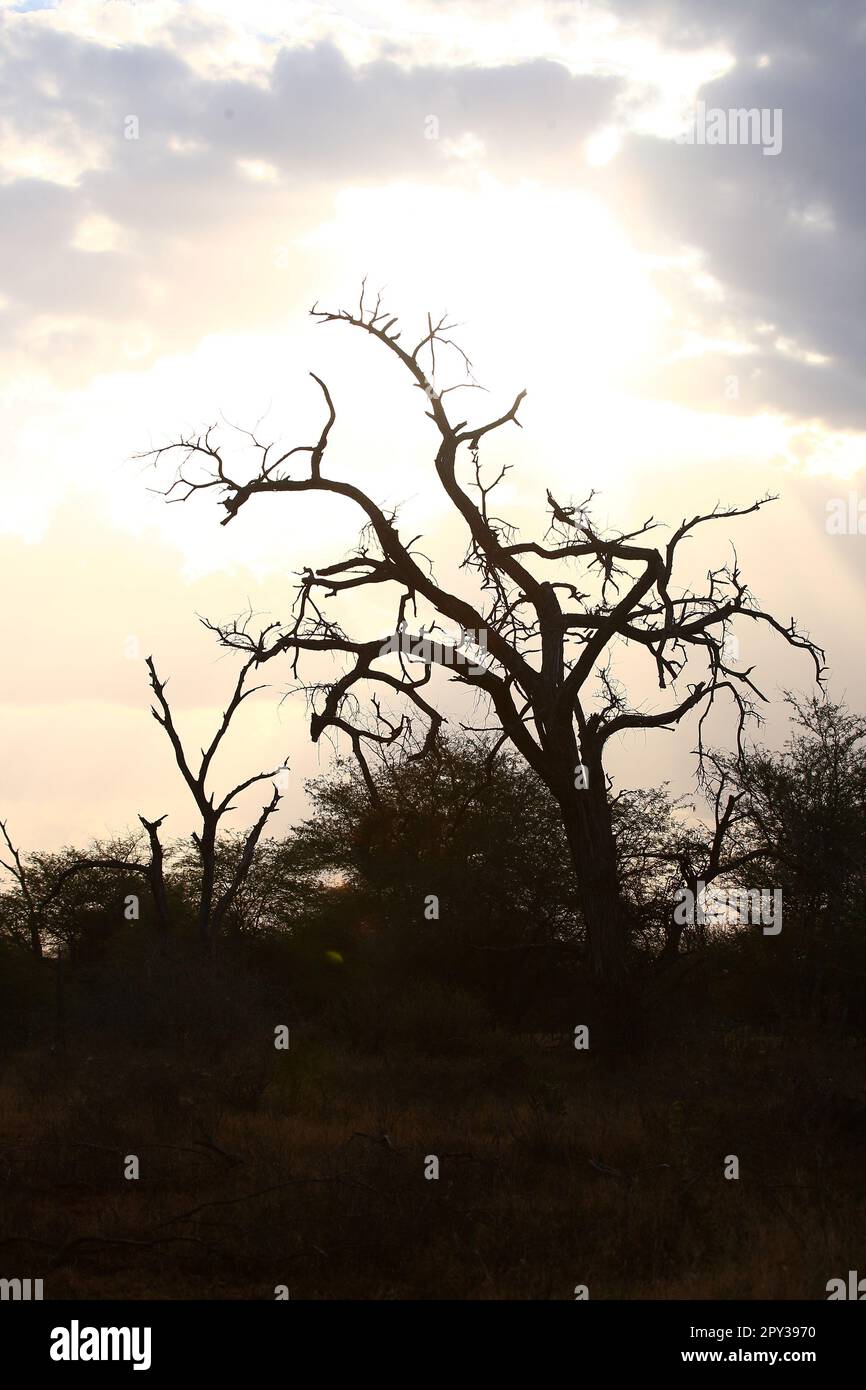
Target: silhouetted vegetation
x,y
540,618
446,1030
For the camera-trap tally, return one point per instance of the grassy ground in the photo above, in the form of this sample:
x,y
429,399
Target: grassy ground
x,y
556,1168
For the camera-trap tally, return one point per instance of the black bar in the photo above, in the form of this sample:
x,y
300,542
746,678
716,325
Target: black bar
x,y
384,1341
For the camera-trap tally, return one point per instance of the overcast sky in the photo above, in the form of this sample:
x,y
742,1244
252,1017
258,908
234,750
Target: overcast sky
x,y
178,184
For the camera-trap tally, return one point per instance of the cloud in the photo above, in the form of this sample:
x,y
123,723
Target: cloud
x,y
231,169
785,237
195,236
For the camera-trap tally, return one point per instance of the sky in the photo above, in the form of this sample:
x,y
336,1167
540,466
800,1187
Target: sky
x,y
180,182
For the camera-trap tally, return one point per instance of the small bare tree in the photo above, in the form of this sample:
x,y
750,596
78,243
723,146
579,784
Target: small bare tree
x,y
549,639
213,906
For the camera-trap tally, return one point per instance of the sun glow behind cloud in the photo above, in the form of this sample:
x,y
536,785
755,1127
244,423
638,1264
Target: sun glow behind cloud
x,y
552,264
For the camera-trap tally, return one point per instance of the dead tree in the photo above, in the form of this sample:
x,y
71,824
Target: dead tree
x,y
550,612
213,906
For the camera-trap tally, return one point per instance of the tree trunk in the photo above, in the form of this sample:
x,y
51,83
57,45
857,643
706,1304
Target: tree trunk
x,y
588,828
59,1005
156,875
673,935
36,937
207,850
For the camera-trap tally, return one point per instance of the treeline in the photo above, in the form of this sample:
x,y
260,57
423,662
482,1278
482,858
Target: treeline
x,y
451,872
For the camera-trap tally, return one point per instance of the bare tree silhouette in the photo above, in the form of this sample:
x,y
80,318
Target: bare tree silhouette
x,y
212,907
547,638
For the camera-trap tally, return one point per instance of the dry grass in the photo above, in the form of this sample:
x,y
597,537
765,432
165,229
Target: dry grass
x,y
557,1168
